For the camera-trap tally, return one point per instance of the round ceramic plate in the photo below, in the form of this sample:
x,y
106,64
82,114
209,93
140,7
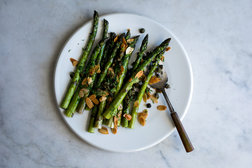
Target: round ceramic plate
x,y
159,124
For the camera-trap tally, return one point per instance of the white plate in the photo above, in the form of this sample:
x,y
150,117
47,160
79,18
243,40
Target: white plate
x,y
158,125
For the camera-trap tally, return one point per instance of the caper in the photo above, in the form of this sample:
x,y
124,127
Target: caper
x,y
148,105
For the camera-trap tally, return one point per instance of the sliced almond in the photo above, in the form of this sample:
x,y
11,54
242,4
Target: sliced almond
x,y
93,96
143,114
114,130
148,95
139,74
115,122
145,97
127,116
93,99
161,107
168,48
124,41
74,61
84,82
153,99
89,80
153,80
123,48
81,93
142,121
130,40
136,103
102,99
162,58
97,69
129,50
103,130
89,103
116,38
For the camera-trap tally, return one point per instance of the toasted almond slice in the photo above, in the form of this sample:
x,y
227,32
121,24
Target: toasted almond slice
x,y
139,74
153,80
116,38
130,40
74,61
93,99
123,47
148,95
114,130
154,99
97,69
85,90
124,41
143,114
161,107
84,82
127,116
168,48
89,80
129,50
145,97
141,120
162,58
103,130
136,103
89,103
115,119
81,93
103,98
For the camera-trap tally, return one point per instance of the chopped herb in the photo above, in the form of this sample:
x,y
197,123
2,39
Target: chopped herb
x,y
69,50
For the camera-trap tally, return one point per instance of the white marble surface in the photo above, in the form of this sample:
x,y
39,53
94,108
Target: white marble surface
x,y
217,36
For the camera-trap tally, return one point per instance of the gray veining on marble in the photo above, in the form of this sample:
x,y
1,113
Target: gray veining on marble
x,y
217,36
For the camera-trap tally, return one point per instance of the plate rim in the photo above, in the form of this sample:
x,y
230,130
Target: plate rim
x,y
190,77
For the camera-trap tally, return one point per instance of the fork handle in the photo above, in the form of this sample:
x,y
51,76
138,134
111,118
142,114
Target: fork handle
x,y
178,124
182,133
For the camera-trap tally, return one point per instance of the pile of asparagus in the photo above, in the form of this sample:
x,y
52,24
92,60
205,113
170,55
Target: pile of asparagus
x,y
106,86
